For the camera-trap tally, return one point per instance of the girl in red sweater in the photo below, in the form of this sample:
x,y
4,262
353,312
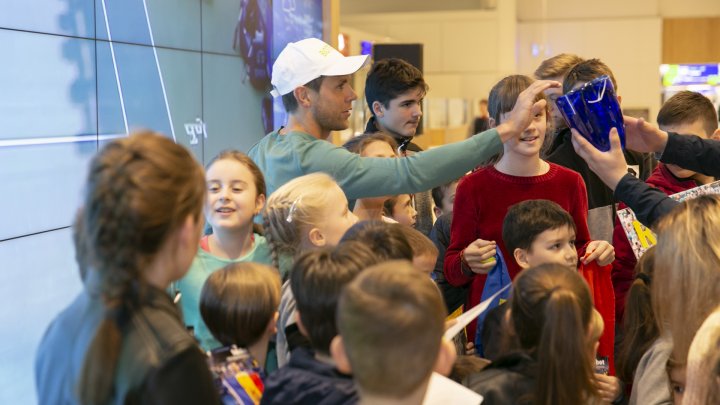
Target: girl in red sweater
x,y
483,197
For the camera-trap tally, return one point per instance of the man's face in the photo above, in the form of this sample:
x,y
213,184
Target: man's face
x,y
332,103
402,115
556,122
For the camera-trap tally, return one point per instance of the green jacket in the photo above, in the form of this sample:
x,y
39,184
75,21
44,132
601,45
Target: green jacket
x,y
282,158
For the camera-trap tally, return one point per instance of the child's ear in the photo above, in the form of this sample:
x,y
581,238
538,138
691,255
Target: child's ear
x,y
316,237
716,135
521,257
437,211
338,354
300,325
491,122
272,325
378,109
446,358
259,203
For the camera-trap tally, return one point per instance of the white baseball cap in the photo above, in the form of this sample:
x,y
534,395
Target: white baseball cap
x,y
303,61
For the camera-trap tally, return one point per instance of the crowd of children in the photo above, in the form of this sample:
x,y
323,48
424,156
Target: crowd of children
x,y
316,282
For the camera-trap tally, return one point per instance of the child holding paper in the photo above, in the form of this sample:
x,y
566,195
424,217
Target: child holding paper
x,y
482,199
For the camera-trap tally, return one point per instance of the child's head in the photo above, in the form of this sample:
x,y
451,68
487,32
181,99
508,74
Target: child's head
x,y
703,369
142,205
425,252
597,326
586,71
400,208
537,232
688,113
444,197
394,90
387,241
316,279
502,100
239,303
551,312
306,212
236,190
556,68
677,376
376,144
639,323
391,321
686,286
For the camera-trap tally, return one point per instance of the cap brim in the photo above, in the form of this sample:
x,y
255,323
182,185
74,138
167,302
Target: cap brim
x,y
346,66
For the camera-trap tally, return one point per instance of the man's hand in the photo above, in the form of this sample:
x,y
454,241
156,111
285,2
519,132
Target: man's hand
x,y
610,166
480,256
601,251
525,109
643,137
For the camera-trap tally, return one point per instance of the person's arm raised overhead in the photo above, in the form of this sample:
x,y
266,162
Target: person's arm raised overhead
x,y
361,177
647,203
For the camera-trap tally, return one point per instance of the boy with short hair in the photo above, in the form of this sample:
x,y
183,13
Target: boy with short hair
x,y
425,253
444,197
601,203
541,232
316,279
687,113
391,321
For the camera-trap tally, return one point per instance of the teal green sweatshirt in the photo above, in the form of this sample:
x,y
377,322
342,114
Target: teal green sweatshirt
x,y
282,158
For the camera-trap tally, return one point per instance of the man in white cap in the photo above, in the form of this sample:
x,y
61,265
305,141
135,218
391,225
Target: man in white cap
x,y
314,81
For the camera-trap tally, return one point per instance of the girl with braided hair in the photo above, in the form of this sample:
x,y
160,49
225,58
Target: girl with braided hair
x,y
122,340
307,212
235,194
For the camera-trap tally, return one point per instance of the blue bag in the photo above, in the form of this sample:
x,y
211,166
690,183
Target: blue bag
x,y
497,278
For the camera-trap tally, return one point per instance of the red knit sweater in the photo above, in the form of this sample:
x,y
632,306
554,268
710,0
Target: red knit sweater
x,y
481,202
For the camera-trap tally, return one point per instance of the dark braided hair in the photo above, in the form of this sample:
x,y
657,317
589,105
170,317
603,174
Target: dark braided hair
x,y
139,190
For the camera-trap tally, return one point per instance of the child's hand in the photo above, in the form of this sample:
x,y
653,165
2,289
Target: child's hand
x,y
601,251
470,349
609,387
480,256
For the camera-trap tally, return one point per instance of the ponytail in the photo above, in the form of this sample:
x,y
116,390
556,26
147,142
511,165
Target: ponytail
x,y
551,311
565,371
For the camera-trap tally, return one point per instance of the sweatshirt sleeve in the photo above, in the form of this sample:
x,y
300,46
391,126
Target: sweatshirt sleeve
x,y
648,203
362,177
580,216
693,153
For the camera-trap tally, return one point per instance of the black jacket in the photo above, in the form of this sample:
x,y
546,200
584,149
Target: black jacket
x,y
509,380
305,380
687,151
159,362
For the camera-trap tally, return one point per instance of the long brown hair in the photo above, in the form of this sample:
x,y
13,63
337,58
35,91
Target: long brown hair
x,y
551,313
139,190
639,324
687,268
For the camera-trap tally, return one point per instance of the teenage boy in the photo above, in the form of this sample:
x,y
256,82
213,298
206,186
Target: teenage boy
x,y
601,204
394,91
684,113
391,321
555,68
311,377
314,81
